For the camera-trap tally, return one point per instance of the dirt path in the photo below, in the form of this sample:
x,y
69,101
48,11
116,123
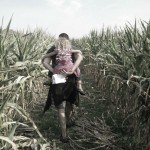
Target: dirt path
x,y
89,133
48,125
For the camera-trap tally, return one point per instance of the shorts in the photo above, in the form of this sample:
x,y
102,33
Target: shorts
x,y
62,105
65,91
59,93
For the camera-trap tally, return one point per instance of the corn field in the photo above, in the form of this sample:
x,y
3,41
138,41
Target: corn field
x,y
116,75
20,68
118,64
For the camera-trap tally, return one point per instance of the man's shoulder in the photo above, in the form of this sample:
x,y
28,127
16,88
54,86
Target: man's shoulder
x,y
51,49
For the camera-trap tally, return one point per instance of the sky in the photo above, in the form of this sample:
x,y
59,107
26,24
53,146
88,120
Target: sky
x,y
75,17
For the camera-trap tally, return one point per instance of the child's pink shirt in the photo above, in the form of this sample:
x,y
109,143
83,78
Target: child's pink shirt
x,y
64,62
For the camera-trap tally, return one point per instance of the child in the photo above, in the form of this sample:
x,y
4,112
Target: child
x,y
63,52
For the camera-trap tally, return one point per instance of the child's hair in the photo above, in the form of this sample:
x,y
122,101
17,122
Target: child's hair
x,y
63,43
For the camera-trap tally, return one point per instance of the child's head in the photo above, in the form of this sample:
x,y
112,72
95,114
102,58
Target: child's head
x,y
63,42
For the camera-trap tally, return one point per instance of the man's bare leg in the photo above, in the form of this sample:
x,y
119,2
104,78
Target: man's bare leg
x,y
62,121
69,112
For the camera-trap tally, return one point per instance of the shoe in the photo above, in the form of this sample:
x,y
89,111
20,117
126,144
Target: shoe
x,y
64,139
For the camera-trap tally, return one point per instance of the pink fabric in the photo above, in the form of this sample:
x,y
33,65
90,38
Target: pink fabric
x,y
64,62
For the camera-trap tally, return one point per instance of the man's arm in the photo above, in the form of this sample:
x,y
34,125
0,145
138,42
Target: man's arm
x,y
48,55
78,59
51,49
46,64
46,61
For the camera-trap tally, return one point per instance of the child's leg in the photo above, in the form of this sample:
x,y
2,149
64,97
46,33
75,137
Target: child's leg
x,y
79,86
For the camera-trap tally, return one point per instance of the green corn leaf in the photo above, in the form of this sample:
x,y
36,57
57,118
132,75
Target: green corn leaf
x,y
9,141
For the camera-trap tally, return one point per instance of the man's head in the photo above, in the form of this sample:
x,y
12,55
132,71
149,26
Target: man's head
x,y
64,35
63,42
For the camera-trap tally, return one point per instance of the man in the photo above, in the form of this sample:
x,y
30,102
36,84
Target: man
x,y
67,91
46,63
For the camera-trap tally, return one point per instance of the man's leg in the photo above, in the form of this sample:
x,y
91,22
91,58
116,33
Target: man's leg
x,y
62,121
69,113
49,100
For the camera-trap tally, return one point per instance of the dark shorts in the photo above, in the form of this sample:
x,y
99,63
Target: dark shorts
x,y
65,91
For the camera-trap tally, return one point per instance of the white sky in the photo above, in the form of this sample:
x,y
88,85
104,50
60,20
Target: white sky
x,y
75,17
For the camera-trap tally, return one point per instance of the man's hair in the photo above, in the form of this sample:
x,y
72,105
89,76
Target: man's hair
x,y
64,35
